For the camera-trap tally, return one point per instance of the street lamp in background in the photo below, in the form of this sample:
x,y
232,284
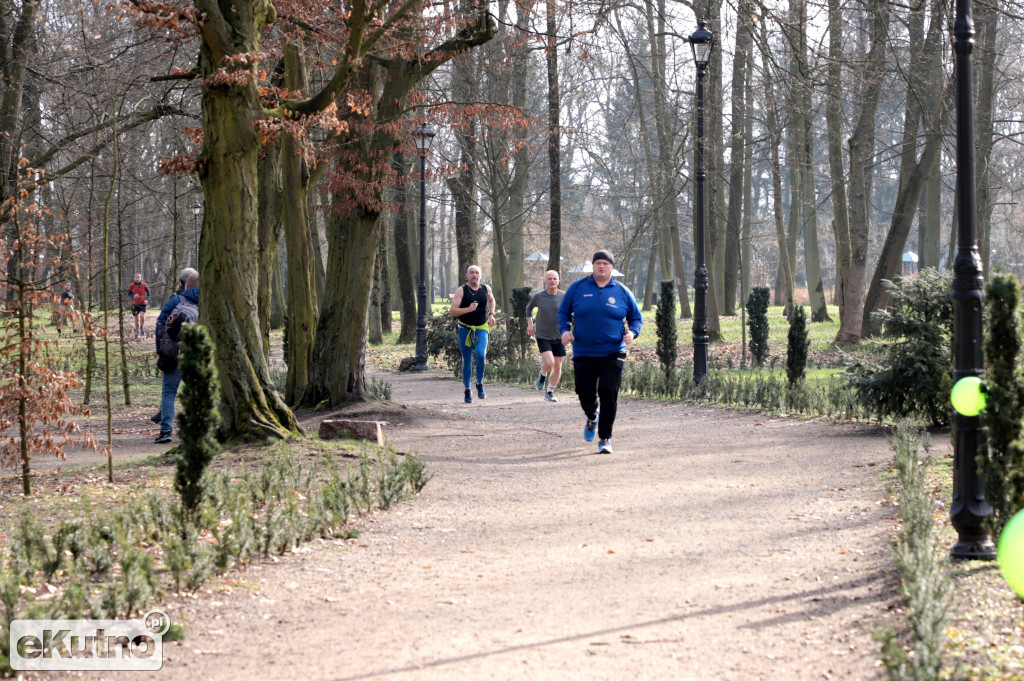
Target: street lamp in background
x,y
424,136
969,509
197,208
701,41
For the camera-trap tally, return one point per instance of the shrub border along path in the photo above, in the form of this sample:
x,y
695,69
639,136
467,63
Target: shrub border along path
x,y
711,545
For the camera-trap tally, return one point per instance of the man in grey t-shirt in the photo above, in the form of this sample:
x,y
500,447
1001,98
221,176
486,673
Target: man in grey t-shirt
x,y
549,340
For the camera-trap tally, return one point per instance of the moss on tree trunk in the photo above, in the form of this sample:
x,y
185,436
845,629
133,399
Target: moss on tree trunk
x,y
229,245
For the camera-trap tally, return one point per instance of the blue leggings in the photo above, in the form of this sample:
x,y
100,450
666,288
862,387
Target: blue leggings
x,y
479,349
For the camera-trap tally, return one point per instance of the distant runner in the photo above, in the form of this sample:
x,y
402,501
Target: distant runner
x,y
474,306
65,309
549,340
138,295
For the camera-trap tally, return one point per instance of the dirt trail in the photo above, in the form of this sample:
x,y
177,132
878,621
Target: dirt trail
x,y
712,546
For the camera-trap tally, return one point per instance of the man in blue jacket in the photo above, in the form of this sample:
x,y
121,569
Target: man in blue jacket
x,y
172,378
600,317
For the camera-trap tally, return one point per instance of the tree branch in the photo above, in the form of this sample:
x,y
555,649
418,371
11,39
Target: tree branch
x,y
125,123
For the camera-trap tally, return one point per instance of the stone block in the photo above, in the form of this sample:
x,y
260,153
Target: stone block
x,y
331,429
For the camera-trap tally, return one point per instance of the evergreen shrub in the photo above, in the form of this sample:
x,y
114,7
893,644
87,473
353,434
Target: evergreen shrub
x,y
799,343
757,319
665,324
199,417
1001,462
915,376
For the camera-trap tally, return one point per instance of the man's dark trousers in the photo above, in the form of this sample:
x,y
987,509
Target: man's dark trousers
x,y
599,378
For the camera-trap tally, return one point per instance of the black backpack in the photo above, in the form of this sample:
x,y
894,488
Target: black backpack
x,y
185,312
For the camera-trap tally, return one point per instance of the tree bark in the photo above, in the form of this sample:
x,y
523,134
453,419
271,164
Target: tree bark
x,y
806,199
784,284
338,373
737,157
229,246
913,172
862,153
302,301
270,225
987,17
403,249
554,137
834,97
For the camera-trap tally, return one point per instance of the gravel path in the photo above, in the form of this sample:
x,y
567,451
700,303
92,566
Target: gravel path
x,y
712,546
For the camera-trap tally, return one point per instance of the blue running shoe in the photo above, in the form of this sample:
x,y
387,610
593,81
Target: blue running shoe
x,y
550,396
469,396
540,381
604,446
590,428
480,391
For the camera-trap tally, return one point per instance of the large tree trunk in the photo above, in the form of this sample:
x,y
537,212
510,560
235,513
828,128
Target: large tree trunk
x,y
862,144
302,301
834,97
805,158
314,211
715,181
375,330
554,137
746,248
737,156
666,168
520,56
987,16
913,172
17,50
463,184
785,280
270,225
229,245
403,241
338,373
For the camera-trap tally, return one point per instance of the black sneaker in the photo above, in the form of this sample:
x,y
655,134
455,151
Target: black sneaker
x,y
156,418
469,396
480,391
163,438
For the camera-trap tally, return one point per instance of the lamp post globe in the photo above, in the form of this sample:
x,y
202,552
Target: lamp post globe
x,y
424,136
701,42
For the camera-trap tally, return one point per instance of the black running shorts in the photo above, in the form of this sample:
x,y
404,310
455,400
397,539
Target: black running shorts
x,y
555,347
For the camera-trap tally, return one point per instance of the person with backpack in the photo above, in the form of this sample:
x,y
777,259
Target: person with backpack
x,y
180,309
138,295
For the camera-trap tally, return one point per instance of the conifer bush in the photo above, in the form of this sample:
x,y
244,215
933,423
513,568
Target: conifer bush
x,y
665,322
199,418
1001,463
518,337
915,376
799,343
757,320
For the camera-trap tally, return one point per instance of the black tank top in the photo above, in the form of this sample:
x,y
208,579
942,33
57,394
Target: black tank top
x,y
477,317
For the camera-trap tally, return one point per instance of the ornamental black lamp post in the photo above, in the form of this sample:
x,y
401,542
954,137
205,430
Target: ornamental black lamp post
x,y
969,508
424,136
701,41
197,208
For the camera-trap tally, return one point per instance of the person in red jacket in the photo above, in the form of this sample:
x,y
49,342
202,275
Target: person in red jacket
x,y
138,294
